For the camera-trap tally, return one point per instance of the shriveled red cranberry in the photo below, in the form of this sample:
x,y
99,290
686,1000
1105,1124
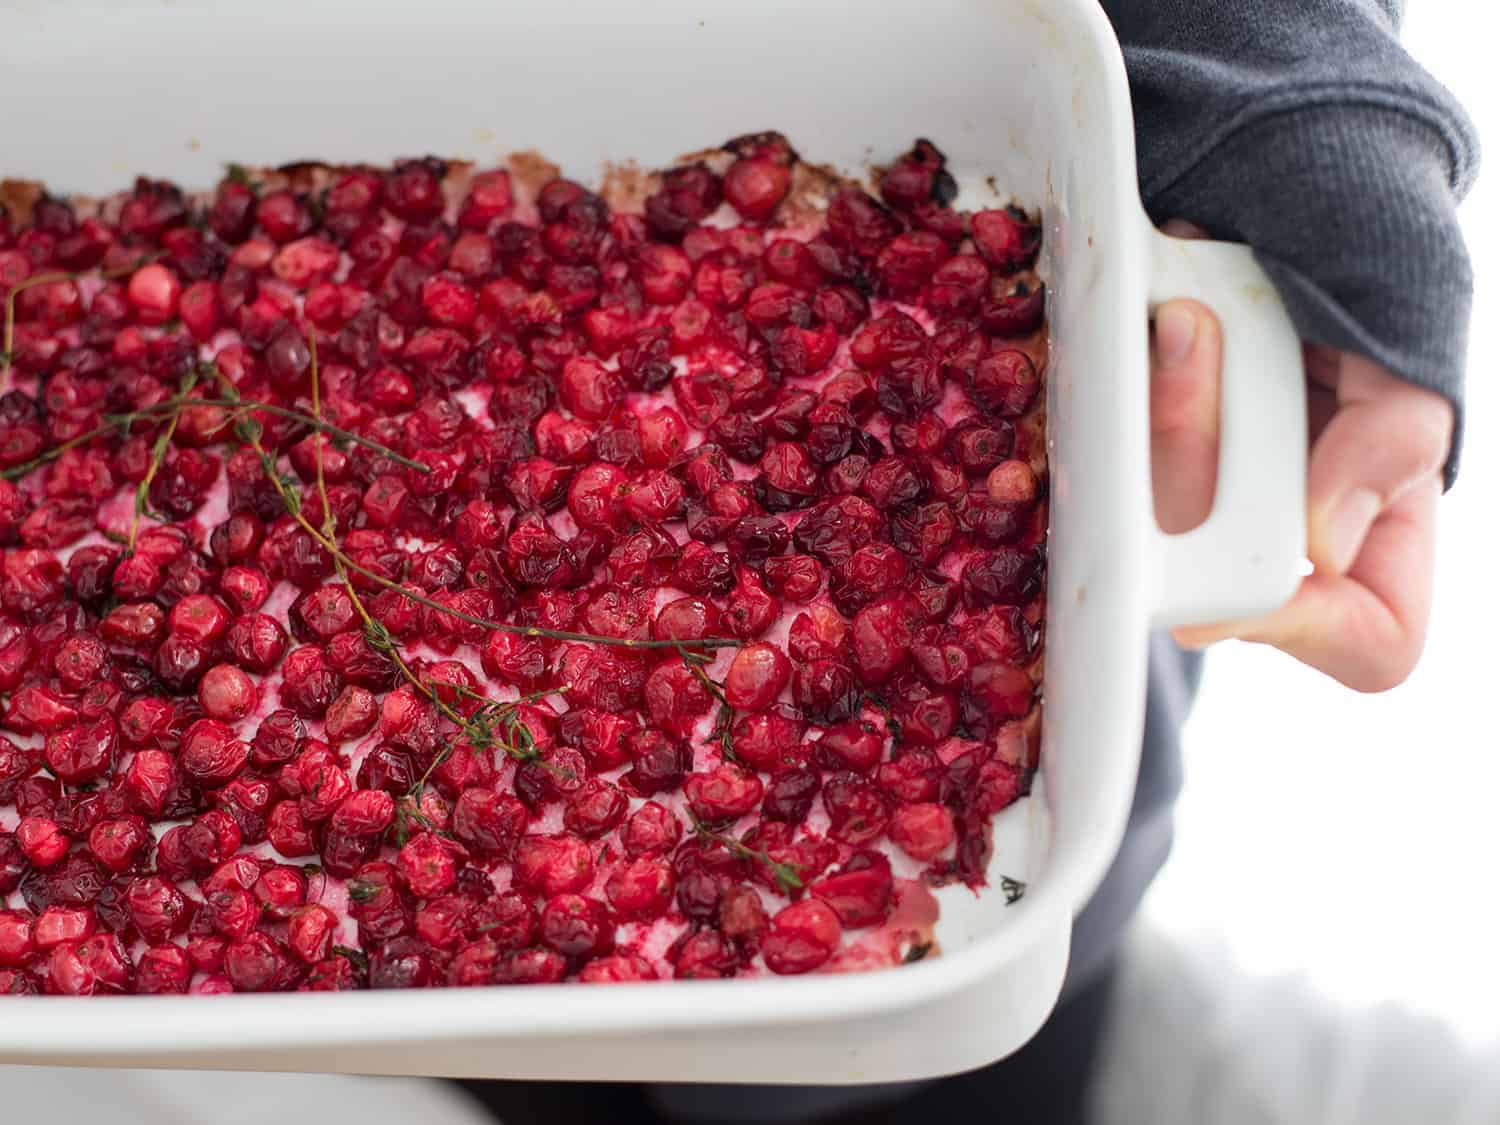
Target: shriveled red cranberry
x,y
790,795
657,763
1004,576
1017,314
860,894
706,955
724,794
651,830
857,811
211,754
1005,382
555,864
801,937
687,195
489,823
1006,239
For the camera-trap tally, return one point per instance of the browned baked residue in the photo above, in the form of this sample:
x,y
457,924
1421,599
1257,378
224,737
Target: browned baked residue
x,y
625,186
531,171
19,197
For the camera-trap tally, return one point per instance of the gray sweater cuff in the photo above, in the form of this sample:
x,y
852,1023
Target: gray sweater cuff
x,y
1350,207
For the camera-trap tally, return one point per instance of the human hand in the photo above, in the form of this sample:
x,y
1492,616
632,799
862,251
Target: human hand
x,y
1377,446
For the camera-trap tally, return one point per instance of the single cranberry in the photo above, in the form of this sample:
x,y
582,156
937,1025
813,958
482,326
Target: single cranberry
x,y
723,795
857,811
42,841
163,970
557,864
790,795
922,831
860,894
576,926
211,755
756,676
1006,239
801,937
226,693
706,955
118,843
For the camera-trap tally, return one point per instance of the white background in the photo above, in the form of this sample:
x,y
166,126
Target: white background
x,y
1356,839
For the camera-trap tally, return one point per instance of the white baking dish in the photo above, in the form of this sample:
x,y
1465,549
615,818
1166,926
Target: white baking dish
x,y
1031,92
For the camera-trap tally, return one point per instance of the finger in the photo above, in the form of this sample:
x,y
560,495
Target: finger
x,y
1386,438
1185,354
1365,628
1181,228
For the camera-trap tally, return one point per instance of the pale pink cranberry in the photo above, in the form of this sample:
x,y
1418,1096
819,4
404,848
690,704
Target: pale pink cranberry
x,y
923,831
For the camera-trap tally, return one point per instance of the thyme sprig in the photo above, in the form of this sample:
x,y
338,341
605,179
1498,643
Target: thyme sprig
x,y
788,876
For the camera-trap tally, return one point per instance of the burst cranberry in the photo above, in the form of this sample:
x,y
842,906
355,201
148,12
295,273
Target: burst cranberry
x,y
723,795
41,840
922,831
706,955
211,754
157,908
857,811
860,894
1006,239
801,937
554,865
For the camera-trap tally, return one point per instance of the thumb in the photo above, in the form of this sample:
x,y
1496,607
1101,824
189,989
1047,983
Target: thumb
x,y
1386,437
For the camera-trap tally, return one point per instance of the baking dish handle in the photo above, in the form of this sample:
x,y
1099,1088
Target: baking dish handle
x,y
1245,559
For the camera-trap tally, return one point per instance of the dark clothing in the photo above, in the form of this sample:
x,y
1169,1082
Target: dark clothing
x,y
1301,128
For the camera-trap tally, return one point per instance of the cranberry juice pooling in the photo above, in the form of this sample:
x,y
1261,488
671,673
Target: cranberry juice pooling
x,y
431,576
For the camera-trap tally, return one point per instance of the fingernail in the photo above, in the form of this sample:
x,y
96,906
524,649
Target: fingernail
x,y
1176,329
1346,528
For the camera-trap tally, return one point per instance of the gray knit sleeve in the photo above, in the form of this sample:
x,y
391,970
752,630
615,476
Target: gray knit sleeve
x,y
1302,128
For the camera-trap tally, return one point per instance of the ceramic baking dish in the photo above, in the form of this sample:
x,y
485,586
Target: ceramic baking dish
x,y
1027,95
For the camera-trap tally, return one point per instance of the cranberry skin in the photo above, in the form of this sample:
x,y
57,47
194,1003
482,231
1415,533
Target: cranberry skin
x,y
1019,314
180,662
13,864
881,637
117,843
922,831
150,781
852,745
723,795
685,619
860,894
825,690
17,944
595,809
801,937
1005,383
658,763
553,865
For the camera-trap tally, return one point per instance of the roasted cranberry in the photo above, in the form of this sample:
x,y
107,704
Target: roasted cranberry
x,y
801,937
